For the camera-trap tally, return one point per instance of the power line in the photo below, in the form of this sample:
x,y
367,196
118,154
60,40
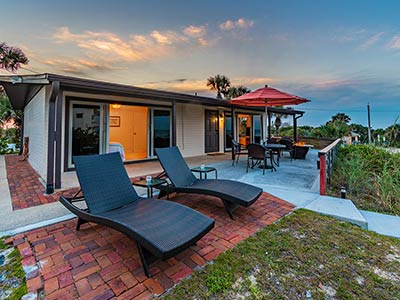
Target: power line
x,y
350,110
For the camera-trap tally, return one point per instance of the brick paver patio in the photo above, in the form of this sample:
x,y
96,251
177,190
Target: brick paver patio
x,y
26,190
25,187
101,263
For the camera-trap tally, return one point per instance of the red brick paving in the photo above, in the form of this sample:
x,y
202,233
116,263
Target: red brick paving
x,y
25,187
101,263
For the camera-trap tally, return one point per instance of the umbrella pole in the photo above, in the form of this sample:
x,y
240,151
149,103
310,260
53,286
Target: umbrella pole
x,y
266,122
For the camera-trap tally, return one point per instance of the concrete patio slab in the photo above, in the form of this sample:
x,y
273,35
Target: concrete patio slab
x,y
383,224
341,209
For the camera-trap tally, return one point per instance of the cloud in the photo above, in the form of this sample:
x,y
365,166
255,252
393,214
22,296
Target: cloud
x,y
182,85
195,31
240,23
395,42
186,85
349,35
77,66
372,40
109,46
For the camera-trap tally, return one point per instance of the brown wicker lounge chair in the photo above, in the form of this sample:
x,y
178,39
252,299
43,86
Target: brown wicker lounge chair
x,y
160,228
232,193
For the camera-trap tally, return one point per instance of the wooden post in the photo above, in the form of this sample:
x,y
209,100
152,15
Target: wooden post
x,y
55,87
322,175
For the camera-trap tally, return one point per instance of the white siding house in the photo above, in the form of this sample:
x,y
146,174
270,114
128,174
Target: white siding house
x,y
85,118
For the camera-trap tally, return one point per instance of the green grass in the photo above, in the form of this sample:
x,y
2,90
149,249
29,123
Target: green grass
x,y
371,176
12,276
304,253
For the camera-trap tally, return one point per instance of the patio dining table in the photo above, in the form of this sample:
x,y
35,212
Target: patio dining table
x,y
277,148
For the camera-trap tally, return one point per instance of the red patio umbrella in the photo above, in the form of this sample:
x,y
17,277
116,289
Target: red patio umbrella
x,y
268,96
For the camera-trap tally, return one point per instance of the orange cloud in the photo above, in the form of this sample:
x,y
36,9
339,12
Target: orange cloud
x,y
240,23
107,45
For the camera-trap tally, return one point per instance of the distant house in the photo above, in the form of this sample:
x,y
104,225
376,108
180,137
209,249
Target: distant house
x,y
67,116
351,138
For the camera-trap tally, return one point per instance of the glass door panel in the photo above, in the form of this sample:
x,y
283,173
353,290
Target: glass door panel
x,y
228,131
257,129
86,132
244,129
161,135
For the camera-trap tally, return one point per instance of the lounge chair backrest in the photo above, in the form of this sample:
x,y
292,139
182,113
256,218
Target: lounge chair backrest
x,y
175,166
104,182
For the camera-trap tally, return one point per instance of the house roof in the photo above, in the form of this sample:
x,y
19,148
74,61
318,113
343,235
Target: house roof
x,y
21,89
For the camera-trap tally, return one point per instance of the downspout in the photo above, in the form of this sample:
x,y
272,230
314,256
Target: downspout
x,y
55,88
57,138
296,137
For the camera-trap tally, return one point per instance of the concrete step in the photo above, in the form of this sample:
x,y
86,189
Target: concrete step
x,y
341,209
382,224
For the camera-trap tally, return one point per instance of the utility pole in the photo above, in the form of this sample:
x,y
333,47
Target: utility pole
x,y
369,125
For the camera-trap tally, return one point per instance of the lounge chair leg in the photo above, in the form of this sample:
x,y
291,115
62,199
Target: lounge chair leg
x,y
230,207
79,223
162,193
144,256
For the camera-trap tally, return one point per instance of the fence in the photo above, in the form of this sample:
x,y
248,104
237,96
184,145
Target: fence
x,y
326,160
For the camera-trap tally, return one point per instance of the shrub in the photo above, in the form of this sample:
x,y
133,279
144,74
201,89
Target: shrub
x,y
371,176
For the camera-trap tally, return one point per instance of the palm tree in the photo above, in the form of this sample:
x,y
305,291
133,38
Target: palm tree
x,y
11,58
342,117
220,84
236,91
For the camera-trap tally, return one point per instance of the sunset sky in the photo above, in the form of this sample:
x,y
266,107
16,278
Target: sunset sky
x,y
339,54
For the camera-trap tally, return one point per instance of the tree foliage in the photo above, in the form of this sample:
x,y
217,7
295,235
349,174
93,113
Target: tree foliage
x,y
236,91
220,84
11,58
341,117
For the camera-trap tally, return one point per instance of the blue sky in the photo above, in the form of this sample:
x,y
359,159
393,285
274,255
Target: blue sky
x,y
340,54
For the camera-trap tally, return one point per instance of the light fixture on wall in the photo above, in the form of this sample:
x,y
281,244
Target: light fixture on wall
x,y
221,115
115,106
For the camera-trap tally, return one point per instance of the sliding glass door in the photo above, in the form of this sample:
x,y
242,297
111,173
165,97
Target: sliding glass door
x,y
161,129
257,129
228,131
86,130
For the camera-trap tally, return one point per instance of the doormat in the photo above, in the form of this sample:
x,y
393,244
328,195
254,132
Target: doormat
x,y
215,154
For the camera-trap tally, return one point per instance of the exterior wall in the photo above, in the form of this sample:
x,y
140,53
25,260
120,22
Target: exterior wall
x,y
35,127
190,129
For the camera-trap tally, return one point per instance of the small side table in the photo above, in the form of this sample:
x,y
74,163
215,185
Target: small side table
x,y
204,171
154,183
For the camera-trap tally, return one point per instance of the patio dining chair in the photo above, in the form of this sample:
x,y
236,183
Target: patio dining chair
x,y
237,150
288,143
232,193
258,156
160,228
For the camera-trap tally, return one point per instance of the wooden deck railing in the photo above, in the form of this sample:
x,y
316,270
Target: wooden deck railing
x,y
326,160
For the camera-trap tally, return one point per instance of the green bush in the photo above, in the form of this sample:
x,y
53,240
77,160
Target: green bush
x,y
371,176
